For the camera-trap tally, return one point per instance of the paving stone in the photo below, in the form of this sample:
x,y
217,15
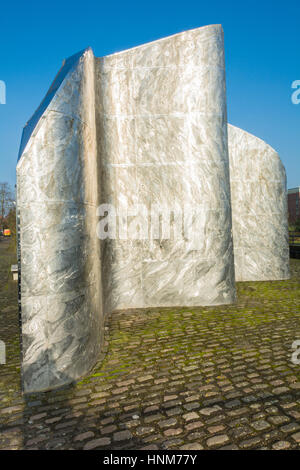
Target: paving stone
x,y
171,404
288,428
150,409
280,390
191,406
215,429
296,437
36,440
108,429
295,414
281,445
166,423
156,437
150,447
172,432
192,446
145,378
144,430
260,425
11,409
250,443
53,420
190,416
276,420
174,411
295,386
170,397
209,411
230,447
83,436
66,424
38,416
106,421
232,404
194,425
217,440
99,395
97,443
153,418
122,436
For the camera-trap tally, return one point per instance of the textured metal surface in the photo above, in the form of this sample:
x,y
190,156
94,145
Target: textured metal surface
x,y
162,135
68,65
62,321
146,127
259,209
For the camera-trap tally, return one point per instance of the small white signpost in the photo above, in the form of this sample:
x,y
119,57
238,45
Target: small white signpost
x,y
14,270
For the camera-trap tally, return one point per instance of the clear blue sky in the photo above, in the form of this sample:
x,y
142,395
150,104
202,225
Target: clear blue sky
x,y
262,50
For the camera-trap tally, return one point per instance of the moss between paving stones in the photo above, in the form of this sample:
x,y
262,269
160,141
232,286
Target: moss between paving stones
x,y
259,303
190,347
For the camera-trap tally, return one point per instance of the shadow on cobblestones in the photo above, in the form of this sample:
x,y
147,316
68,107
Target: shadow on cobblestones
x,y
186,378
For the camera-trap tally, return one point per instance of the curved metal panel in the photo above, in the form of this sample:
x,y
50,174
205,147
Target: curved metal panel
x,y
62,322
68,65
162,140
259,209
145,127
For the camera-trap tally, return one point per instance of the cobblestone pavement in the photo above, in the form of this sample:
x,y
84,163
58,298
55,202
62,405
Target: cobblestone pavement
x,y
186,378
